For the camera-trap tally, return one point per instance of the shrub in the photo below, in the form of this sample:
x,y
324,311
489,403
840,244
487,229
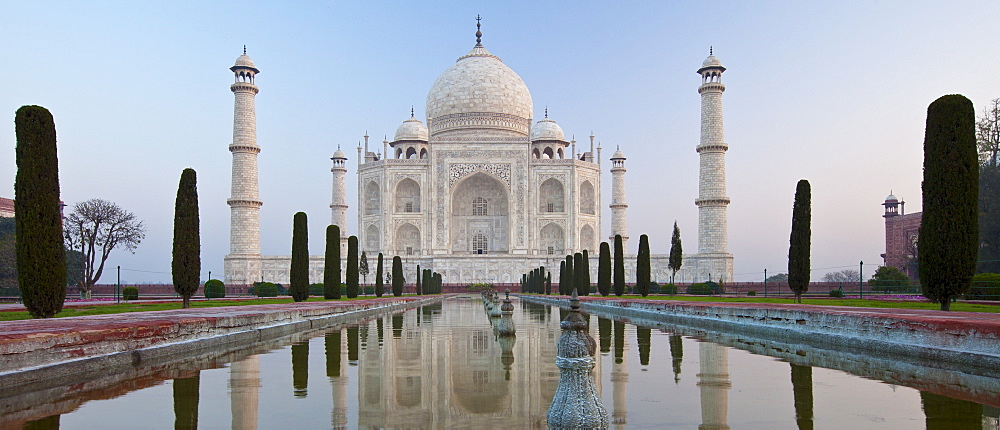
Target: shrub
x,y
267,289
714,288
475,288
130,293
985,286
668,289
215,289
837,293
654,288
699,289
316,289
752,292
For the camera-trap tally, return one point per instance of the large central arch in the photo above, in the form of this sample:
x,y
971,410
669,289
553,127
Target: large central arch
x,y
480,209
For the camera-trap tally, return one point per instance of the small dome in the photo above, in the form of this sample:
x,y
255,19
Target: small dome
x,y
711,61
411,129
618,154
245,61
891,198
339,154
547,129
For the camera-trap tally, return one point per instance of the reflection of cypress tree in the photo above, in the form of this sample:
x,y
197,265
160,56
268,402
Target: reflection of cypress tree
x,y
300,368
186,402
642,335
802,391
946,413
352,344
619,341
379,328
677,354
47,423
604,332
333,353
397,326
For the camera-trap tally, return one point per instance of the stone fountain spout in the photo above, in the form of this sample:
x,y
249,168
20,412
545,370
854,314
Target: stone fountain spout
x,y
576,404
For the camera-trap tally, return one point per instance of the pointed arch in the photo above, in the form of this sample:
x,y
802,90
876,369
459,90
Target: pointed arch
x,y
407,196
373,239
588,198
587,238
373,198
480,206
551,196
411,152
407,240
552,239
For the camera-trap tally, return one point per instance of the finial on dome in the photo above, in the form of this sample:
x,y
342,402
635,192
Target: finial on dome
x,y
546,112
244,50
479,34
411,111
710,50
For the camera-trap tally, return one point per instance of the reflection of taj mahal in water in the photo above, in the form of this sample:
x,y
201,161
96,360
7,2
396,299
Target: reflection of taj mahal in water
x,y
481,191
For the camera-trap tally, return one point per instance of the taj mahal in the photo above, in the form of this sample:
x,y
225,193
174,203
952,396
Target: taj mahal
x,y
480,191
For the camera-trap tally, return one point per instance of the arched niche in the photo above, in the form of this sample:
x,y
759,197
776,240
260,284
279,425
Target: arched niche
x,y
373,199
407,196
480,206
588,199
552,239
372,239
587,238
551,196
411,153
407,240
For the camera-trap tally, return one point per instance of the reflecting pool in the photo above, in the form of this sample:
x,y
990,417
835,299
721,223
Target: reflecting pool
x,y
441,366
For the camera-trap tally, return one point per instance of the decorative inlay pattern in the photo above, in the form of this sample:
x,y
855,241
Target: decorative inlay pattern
x,y
461,170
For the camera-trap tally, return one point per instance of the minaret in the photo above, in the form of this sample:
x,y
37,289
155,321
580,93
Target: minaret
x,y
714,385
243,264
713,236
618,206
338,205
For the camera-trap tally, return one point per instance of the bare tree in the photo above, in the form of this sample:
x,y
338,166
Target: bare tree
x,y
846,275
988,133
95,228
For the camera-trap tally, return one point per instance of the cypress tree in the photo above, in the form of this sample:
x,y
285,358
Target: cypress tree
x,y
604,269
548,283
642,275
352,267
562,276
567,288
38,244
578,269
676,253
185,392
420,290
185,268
619,267
363,271
799,242
379,284
949,226
298,286
331,263
586,274
437,282
397,276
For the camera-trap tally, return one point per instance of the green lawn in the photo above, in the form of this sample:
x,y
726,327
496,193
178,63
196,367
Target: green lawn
x,y
143,307
892,304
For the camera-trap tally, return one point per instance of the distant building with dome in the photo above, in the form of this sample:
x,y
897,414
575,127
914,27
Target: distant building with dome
x,y
481,192
902,234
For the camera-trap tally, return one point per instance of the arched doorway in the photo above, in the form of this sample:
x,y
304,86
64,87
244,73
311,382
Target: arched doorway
x,y
480,215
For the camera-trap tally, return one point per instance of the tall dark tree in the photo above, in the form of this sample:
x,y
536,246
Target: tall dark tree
x,y
604,270
799,242
989,219
420,289
949,226
331,264
548,283
352,267
300,369
676,355
676,253
186,401
397,276
298,286
643,340
185,267
363,270
619,267
379,275
332,347
562,276
642,269
578,269
38,246
567,289
438,281
802,393
586,274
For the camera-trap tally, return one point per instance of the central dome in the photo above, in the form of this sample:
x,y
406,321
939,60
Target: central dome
x,y
479,92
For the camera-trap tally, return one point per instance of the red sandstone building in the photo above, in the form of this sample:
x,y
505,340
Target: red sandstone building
x,y
901,236
6,208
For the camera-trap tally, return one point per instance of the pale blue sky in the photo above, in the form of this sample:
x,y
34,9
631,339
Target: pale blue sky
x,y
832,92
